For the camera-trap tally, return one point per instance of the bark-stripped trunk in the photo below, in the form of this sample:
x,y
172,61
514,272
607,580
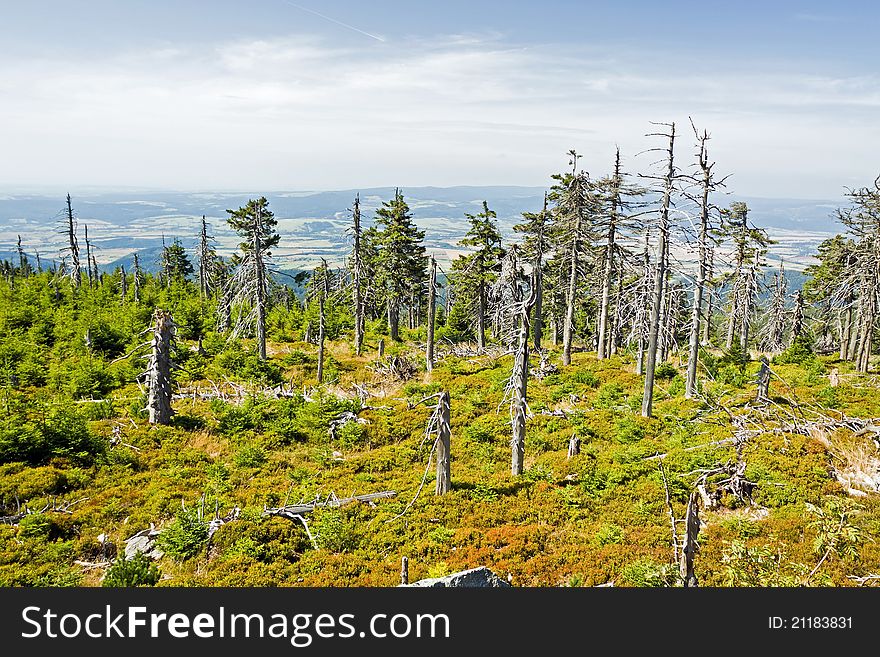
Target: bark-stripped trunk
x,y
867,313
358,298
75,274
260,282
520,378
689,548
659,280
159,369
845,331
710,298
703,273
123,283
797,324
443,479
608,276
92,277
614,333
204,260
136,283
571,297
393,320
321,330
538,318
432,311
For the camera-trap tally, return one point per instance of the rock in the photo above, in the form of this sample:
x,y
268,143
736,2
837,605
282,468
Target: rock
x,y
480,577
144,542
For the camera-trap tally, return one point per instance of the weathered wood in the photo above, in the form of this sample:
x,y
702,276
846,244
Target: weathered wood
x,y
357,294
75,273
608,275
443,479
764,380
159,369
659,277
690,546
292,511
432,311
404,571
574,446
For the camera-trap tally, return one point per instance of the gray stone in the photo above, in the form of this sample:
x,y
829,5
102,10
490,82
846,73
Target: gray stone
x,y
480,577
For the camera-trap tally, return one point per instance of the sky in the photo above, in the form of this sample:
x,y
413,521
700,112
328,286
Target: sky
x,y
280,95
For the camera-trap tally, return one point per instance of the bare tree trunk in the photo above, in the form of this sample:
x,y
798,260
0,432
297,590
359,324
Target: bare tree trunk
x,y
136,283
707,323
321,295
481,315
538,318
358,298
689,549
731,319
697,313
845,330
260,294
609,261
432,310
92,277
203,260
443,479
866,330
404,570
159,369
520,379
574,446
764,380
659,280
381,349
76,274
797,324
568,325
123,283
614,333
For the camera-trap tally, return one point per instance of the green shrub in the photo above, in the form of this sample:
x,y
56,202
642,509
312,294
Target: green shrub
x,y
185,537
137,571
799,352
647,573
609,395
334,532
665,371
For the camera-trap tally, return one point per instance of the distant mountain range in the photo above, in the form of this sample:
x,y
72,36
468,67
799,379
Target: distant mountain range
x,y
315,224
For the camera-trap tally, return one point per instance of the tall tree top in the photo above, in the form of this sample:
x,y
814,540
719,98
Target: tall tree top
x,y
255,219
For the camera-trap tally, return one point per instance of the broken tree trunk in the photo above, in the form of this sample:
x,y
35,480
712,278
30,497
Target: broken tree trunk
x,y
520,378
690,547
159,369
75,273
574,446
697,312
659,278
432,311
607,278
444,482
322,294
356,264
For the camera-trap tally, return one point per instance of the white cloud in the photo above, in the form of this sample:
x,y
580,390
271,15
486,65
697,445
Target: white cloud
x,y
299,113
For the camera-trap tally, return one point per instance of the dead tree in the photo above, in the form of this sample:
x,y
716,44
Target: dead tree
x,y
707,185
159,381
123,283
92,277
357,266
534,246
75,273
432,310
517,387
772,336
136,279
443,479
207,258
323,290
660,273
572,207
764,380
610,246
797,319
690,546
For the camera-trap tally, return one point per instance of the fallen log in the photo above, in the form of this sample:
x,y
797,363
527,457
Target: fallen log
x,y
294,511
